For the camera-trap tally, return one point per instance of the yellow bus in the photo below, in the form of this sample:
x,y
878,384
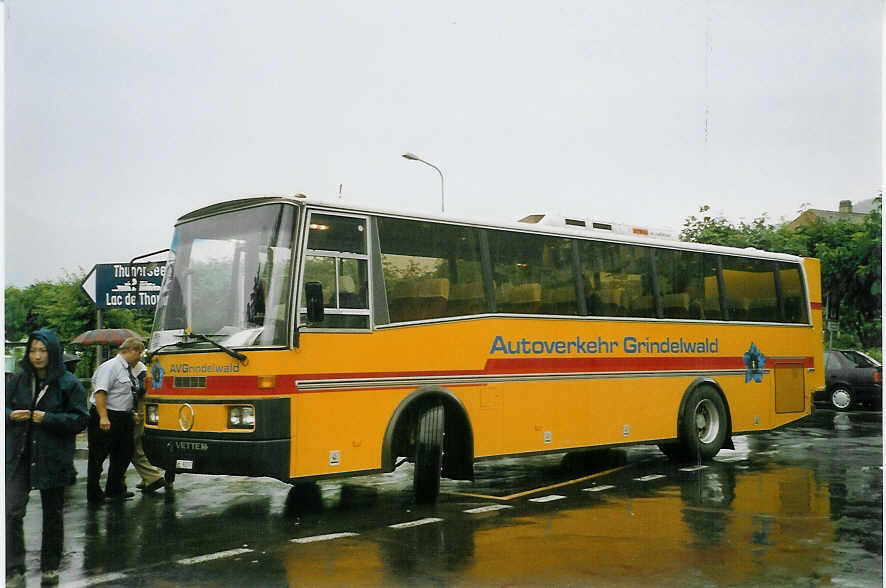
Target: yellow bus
x,y
300,339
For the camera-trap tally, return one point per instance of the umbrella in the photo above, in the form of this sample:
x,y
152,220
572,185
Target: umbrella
x,y
105,337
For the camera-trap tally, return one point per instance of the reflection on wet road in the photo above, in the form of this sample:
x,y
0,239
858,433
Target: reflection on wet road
x,y
802,505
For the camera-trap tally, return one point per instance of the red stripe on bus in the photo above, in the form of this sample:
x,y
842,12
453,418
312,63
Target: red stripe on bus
x,y
286,383
816,305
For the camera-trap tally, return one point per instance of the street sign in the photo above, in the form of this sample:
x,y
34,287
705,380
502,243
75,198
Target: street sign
x,y
110,285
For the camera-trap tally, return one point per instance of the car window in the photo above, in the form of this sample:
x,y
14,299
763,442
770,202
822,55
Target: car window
x,y
859,360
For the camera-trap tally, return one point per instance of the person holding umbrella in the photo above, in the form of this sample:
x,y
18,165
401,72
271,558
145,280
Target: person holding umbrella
x,y
45,409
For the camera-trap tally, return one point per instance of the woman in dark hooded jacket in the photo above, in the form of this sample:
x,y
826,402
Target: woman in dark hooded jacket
x,y
45,409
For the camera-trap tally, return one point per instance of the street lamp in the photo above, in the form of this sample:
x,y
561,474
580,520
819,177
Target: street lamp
x,y
415,157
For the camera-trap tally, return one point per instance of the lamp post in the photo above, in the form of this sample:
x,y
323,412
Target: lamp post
x,y
415,157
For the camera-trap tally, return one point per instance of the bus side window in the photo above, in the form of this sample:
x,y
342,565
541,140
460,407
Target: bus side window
x,y
681,283
793,294
609,288
431,270
709,296
750,289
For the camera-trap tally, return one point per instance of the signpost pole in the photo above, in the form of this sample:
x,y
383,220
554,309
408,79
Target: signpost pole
x,y
99,349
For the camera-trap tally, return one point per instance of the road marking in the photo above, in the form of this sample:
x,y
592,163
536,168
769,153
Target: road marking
x,y
549,498
219,555
693,468
112,577
649,478
600,488
489,508
542,489
729,459
327,537
415,523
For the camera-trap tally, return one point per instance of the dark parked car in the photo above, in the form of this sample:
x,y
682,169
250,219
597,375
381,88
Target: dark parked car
x,y
852,378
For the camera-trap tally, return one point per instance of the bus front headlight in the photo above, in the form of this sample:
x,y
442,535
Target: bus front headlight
x,y
241,417
152,415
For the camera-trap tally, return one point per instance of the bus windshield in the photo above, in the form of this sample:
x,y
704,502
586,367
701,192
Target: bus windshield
x,y
229,277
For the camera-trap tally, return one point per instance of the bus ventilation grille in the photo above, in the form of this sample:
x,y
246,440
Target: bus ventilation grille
x,y
189,382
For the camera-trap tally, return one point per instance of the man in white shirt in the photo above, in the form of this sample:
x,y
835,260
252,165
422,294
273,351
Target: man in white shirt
x,y
112,422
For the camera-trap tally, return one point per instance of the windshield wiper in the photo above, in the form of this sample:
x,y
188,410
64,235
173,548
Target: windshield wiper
x,y
235,354
200,337
150,354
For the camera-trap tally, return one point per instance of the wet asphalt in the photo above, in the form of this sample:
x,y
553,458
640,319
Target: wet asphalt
x,y
801,506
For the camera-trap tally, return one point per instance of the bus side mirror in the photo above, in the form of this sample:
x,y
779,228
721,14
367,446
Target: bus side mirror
x,y
314,299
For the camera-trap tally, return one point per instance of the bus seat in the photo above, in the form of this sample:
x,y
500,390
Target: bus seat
x,y
466,298
675,305
795,309
763,309
559,300
738,308
710,309
524,298
431,297
607,302
401,303
348,294
643,305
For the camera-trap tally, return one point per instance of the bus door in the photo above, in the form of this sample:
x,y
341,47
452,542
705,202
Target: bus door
x,y
336,255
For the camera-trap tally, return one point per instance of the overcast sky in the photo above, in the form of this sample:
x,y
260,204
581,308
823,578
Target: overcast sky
x,y
121,115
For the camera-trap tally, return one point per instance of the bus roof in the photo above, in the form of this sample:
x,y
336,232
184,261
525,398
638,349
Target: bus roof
x,y
565,231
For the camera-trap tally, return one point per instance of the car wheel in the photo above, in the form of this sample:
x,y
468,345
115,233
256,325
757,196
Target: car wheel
x,y
841,398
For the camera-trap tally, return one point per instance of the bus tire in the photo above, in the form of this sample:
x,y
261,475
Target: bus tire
x,y
704,424
428,455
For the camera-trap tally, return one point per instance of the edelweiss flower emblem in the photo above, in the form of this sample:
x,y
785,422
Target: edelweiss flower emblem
x,y
157,376
754,362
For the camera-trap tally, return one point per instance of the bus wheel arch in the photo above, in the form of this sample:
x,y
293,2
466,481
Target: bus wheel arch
x,y
458,440
703,397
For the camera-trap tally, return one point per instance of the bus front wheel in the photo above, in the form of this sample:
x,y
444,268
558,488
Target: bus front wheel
x,y
704,424
428,455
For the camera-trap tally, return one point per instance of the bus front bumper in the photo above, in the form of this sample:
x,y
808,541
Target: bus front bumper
x,y
197,455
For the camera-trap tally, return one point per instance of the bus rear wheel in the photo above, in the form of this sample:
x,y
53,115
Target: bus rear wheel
x,y
428,455
704,424
703,427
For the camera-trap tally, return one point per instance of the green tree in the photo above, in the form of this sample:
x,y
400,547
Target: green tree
x,y
62,306
850,254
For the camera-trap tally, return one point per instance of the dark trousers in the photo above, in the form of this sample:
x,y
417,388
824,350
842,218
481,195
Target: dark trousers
x,y
53,499
116,443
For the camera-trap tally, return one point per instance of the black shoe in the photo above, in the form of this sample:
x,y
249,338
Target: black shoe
x,y
95,497
49,578
154,486
118,497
